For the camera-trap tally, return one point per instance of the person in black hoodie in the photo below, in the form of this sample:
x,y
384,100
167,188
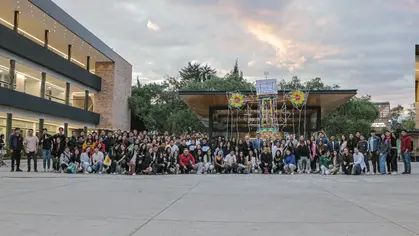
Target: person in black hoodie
x,y
162,161
16,147
351,144
303,152
57,149
46,144
266,161
278,166
393,152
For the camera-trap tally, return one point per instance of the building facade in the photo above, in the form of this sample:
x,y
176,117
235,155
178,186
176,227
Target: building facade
x,y
384,120
55,73
417,85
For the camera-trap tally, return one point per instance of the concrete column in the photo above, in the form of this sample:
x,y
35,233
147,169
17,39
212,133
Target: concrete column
x,y
41,126
86,100
319,119
43,81
210,123
12,74
88,63
69,52
46,34
8,126
16,21
67,93
66,129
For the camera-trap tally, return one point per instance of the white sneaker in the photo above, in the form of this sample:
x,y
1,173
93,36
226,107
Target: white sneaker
x,y
280,172
85,172
134,174
368,173
292,173
100,172
394,173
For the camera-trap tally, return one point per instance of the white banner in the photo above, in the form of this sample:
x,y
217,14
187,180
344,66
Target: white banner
x,y
266,87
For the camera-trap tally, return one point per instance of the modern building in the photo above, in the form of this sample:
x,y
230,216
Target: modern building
x,y
384,120
212,109
56,73
417,85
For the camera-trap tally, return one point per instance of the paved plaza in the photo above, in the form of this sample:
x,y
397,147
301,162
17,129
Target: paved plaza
x,y
60,204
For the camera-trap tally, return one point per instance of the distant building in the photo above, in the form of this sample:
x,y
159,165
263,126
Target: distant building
x,y
383,120
417,85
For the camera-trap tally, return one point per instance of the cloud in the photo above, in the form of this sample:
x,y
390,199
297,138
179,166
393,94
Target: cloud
x,y
152,26
368,45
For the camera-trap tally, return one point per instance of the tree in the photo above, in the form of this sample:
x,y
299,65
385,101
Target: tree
x,y
396,117
409,122
356,115
196,72
160,108
220,84
235,73
313,84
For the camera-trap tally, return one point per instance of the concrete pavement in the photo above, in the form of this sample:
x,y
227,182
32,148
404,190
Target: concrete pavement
x,y
60,204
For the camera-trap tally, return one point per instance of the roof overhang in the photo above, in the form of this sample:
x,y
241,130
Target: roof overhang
x,y
200,102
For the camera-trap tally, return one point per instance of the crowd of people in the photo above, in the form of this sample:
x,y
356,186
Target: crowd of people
x,y
140,153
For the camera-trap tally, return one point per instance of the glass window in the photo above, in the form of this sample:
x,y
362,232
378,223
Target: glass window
x,y
4,72
55,89
77,96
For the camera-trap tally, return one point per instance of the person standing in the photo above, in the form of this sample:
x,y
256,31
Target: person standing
x,y
258,143
383,150
46,142
31,146
373,145
16,146
405,152
333,145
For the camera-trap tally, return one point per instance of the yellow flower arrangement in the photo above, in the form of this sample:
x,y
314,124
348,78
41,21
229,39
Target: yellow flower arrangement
x,y
236,100
297,98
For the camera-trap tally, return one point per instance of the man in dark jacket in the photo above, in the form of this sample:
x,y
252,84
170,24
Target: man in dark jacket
x,y
16,146
333,145
46,145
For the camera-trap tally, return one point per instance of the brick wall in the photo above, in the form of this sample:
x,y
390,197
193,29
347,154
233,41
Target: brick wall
x,y
112,102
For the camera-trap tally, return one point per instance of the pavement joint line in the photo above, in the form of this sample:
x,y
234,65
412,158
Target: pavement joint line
x,y
363,208
269,222
75,216
164,209
44,189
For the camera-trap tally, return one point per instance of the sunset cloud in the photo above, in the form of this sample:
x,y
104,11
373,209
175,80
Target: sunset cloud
x,y
367,45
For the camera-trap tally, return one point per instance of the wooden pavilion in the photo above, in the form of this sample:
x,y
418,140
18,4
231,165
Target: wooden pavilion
x,y
211,107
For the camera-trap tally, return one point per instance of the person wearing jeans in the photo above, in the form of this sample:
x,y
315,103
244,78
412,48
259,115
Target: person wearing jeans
x,y
373,144
405,151
98,159
383,149
46,142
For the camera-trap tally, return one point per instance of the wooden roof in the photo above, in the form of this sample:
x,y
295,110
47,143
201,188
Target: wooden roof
x,y
201,101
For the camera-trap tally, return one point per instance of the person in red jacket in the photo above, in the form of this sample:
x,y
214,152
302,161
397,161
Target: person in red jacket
x,y
186,161
405,149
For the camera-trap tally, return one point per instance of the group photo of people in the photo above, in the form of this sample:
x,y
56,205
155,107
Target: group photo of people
x,y
141,153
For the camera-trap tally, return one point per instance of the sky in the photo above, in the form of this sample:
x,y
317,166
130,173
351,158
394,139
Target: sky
x,y
357,44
